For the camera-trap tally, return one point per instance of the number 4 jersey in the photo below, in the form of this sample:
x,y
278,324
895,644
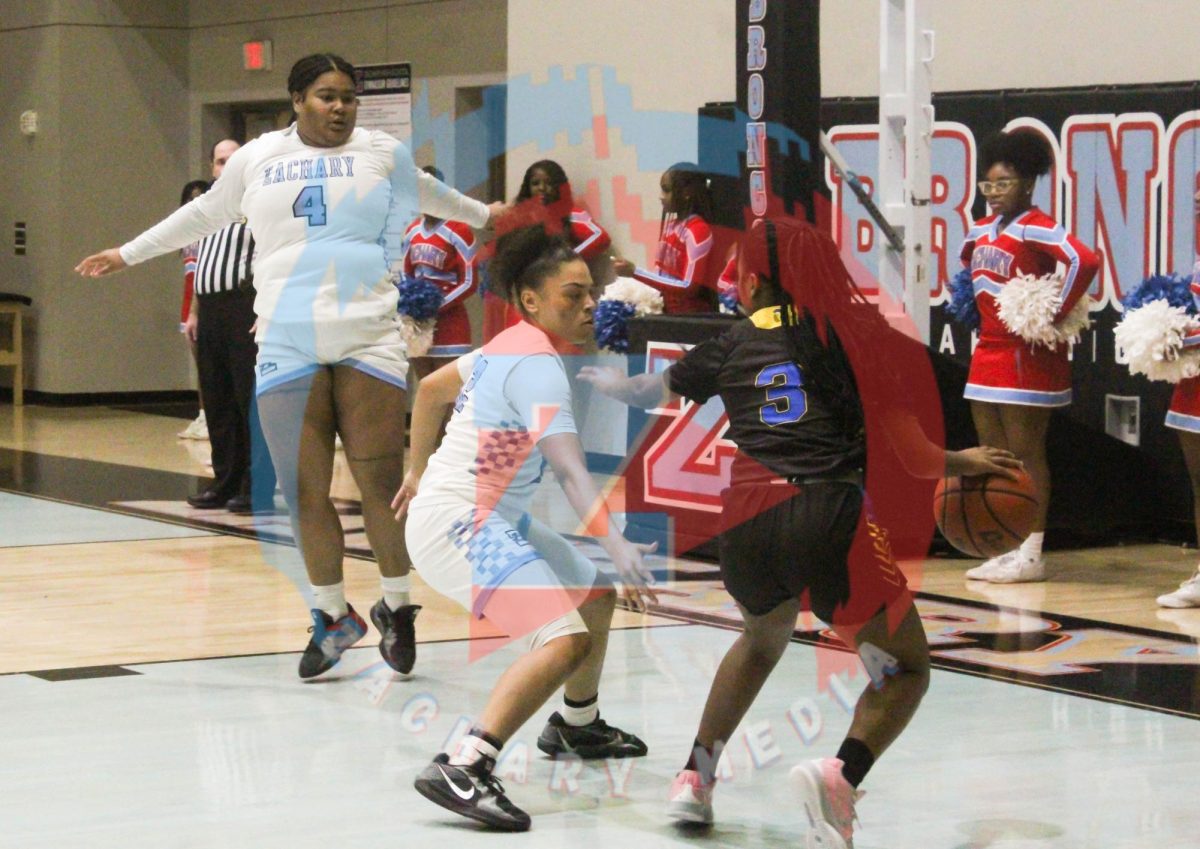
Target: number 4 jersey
x,y
321,218
781,428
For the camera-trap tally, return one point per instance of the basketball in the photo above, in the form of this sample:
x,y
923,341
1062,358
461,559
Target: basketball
x,y
985,515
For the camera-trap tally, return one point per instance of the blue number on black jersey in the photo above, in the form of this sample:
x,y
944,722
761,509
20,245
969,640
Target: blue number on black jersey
x,y
786,401
310,204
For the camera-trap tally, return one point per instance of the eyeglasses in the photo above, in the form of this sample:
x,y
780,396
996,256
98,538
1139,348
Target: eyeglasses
x,y
997,187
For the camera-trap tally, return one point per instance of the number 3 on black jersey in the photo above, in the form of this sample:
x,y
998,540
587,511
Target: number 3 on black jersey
x,y
786,401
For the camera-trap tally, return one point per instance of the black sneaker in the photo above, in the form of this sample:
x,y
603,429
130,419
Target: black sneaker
x,y
399,643
329,640
472,792
597,739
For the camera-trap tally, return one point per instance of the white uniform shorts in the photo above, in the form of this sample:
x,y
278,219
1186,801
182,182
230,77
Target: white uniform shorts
x,y
287,351
469,560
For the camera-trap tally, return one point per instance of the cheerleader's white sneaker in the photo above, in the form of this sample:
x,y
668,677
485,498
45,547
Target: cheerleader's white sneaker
x,y
1019,570
1188,594
197,429
987,567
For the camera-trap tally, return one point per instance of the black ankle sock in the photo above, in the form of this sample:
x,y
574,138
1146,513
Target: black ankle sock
x,y
856,759
585,703
704,760
476,731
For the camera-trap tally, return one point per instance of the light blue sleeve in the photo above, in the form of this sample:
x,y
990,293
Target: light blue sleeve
x,y
538,389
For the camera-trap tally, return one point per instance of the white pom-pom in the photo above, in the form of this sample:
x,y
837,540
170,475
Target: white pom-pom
x,y
1077,320
417,335
1152,338
645,299
1027,306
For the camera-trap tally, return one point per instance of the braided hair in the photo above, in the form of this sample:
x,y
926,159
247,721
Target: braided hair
x,y
690,194
829,323
305,72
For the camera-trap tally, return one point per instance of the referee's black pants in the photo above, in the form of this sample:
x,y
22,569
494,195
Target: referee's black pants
x,y
225,355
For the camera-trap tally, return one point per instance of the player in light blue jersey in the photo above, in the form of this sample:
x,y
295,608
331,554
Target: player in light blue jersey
x,y
319,196
473,539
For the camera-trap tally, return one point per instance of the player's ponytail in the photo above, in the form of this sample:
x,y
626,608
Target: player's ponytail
x,y
525,258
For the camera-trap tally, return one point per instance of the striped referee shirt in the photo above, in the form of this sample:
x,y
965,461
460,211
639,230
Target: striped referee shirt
x,y
223,260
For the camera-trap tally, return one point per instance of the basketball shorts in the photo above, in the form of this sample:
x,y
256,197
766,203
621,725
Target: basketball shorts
x,y
452,336
1184,412
820,542
1011,371
291,350
471,558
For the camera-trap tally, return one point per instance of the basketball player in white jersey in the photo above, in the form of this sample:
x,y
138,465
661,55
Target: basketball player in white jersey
x,y
473,539
318,197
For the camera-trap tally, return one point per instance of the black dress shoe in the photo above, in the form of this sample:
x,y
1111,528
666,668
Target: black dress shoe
x,y
207,500
240,504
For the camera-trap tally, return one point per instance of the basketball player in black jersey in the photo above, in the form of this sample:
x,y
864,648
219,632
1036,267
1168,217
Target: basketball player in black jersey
x,y
795,505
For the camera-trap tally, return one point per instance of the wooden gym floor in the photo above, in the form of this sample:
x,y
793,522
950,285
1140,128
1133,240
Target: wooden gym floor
x,y
147,674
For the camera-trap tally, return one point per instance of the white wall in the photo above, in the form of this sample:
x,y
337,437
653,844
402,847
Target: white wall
x,y
1022,44
121,86
450,43
108,80
672,55
677,54
646,68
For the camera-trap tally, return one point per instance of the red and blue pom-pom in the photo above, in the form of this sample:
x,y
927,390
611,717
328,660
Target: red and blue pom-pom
x,y
1172,288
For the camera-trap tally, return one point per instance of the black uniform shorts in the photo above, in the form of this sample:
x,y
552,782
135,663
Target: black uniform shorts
x,y
819,540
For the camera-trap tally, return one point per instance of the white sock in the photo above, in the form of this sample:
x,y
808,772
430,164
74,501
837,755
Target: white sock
x,y
471,748
584,713
1031,549
331,599
395,591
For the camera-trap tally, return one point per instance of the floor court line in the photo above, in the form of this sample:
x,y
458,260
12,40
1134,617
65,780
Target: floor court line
x,y
234,751
238,753
36,520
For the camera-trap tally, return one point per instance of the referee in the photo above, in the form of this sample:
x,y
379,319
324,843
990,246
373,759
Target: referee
x,y
225,355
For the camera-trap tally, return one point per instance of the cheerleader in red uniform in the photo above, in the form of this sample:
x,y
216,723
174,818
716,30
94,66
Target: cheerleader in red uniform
x,y
443,252
1184,417
1014,385
685,244
547,181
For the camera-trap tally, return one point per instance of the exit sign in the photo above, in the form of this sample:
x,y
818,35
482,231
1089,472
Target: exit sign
x,y
256,55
